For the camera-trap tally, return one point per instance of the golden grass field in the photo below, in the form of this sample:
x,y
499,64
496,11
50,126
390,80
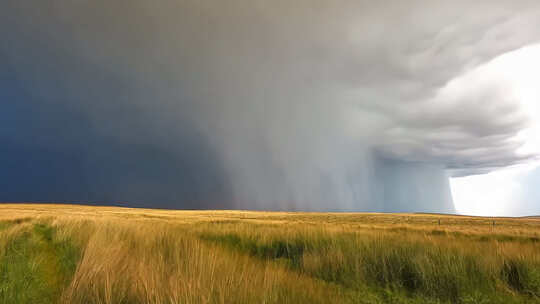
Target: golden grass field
x,y
83,254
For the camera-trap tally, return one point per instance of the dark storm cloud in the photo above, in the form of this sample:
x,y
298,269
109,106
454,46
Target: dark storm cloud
x,y
312,105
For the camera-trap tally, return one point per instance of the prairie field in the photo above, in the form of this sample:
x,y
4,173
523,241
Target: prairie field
x,y
82,254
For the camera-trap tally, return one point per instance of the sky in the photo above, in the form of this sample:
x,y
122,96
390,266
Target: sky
x,y
417,106
513,189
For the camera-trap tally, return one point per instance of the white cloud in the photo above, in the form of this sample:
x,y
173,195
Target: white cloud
x,y
505,191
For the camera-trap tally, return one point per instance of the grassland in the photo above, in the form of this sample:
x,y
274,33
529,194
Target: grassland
x,y
80,254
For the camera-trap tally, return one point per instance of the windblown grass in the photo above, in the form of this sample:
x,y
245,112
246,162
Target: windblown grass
x,y
35,266
79,254
452,270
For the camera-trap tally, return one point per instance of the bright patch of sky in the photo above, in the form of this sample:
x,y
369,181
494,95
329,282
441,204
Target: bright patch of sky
x,y
503,192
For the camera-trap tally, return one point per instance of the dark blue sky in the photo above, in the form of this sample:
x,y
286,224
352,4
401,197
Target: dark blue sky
x,y
316,105
52,152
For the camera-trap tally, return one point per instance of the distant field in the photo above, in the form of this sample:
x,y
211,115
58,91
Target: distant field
x,y
81,254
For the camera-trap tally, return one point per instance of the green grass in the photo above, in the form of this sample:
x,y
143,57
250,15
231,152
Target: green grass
x,y
410,270
77,254
291,250
35,267
521,277
9,223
